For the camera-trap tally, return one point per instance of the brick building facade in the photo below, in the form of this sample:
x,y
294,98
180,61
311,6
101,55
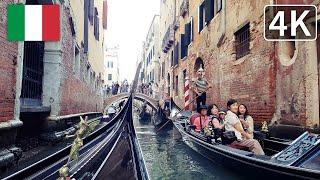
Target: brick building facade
x,y
68,81
277,81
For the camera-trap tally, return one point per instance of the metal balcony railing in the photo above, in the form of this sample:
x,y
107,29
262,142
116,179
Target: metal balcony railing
x,y
168,39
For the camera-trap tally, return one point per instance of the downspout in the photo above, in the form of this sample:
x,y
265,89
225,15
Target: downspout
x,y
174,44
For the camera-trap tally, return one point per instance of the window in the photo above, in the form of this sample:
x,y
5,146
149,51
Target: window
x,y
183,46
200,17
96,25
111,64
209,10
242,43
110,77
177,84
163,69
176,54
172,58
76,65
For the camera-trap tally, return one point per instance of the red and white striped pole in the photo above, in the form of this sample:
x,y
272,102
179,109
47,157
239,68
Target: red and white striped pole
x,y
186,94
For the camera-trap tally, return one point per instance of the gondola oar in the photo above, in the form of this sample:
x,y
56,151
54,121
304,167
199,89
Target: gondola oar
x,y
181,110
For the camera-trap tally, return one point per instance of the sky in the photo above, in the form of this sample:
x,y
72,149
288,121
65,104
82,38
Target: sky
x,y
128,25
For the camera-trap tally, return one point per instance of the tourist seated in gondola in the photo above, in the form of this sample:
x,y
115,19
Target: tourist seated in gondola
x,y
201,121
214,119
222,115
233,123
245,119
215,126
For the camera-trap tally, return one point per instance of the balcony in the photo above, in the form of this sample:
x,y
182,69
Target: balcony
x,y
168,39
184,8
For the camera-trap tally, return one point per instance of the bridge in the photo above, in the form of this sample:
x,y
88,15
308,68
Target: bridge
x,y
138,96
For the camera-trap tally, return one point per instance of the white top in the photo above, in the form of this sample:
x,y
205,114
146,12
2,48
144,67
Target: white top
x,y
230,120
111,110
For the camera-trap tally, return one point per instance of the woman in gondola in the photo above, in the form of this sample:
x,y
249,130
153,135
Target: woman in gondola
x,y
214,120
201,121
246,119
233,123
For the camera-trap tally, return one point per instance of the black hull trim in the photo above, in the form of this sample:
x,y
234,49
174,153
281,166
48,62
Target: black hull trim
x,y
252,167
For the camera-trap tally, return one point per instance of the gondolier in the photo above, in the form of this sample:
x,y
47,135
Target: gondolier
x,y
200,86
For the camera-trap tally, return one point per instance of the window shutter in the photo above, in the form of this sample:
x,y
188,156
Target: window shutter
x,y
187,34
191,29
182,42
200,18
209,7
85,33
91,11
97,29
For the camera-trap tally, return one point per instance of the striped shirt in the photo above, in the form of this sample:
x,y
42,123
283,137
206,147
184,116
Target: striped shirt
x,y
201,84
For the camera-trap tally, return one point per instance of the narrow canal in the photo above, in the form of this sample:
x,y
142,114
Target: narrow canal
x,y
168,157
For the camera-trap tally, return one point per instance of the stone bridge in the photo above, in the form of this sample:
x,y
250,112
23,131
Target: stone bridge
x,y
139,96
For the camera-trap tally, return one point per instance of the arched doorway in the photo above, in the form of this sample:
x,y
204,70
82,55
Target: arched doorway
x,y
199,63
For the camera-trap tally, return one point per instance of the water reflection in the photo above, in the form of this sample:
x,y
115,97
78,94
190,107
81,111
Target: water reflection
x,y
167,157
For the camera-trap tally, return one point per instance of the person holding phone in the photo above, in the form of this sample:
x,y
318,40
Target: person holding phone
x,y
245,119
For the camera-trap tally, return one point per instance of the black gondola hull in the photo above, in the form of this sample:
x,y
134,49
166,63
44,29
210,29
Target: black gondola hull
x,y
248,167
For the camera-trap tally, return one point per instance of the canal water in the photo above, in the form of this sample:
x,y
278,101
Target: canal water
x,y
168,157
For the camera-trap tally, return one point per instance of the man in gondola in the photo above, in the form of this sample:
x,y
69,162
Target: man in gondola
x,y
200,86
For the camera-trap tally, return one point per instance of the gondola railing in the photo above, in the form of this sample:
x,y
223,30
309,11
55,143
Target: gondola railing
x,y
63,153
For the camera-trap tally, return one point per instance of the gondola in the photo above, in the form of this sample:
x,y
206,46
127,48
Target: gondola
x,y
111,143
299,160
162,119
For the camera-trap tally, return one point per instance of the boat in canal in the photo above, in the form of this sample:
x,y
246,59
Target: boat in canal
x,y
299,160
112,151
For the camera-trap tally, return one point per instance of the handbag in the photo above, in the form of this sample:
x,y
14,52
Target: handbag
x,y
228,137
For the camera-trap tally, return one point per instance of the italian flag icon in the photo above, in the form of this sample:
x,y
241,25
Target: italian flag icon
x,y
33,22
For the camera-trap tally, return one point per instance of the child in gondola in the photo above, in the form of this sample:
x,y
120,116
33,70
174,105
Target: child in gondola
x,y
202,121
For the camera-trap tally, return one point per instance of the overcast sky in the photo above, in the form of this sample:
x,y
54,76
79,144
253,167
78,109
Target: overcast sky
x,y
128,24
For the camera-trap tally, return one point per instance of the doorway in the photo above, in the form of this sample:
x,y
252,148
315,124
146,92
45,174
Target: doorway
x,y
31,92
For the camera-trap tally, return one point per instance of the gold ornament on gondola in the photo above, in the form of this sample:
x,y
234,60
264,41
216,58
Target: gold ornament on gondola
x,y
76,145
264,127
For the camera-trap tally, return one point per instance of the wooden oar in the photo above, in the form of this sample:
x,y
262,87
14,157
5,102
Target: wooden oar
x,y
181,110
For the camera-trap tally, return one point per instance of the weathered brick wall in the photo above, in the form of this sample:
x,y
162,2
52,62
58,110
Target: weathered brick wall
x,y
8,60
250,79
271,90
76,94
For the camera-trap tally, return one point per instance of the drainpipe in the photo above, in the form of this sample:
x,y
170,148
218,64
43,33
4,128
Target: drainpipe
x,y
174,42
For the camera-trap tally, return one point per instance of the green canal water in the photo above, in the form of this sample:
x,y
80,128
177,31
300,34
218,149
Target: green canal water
x,y
168,157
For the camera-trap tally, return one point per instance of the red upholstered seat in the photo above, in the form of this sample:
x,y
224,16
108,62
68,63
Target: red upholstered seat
x,y
238,147
193,117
